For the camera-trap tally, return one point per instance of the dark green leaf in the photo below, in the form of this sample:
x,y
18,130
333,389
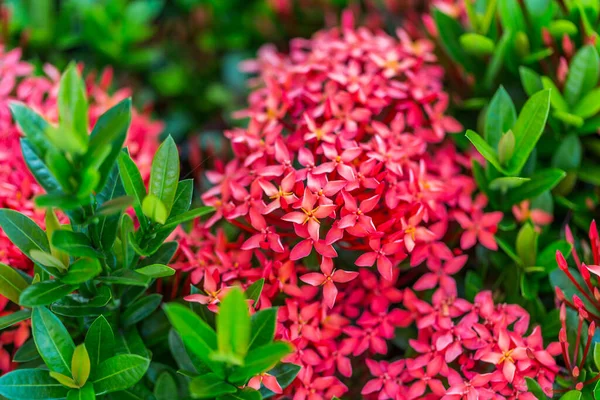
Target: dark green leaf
x,y
162,256
82,270
141,309
27,352
53,341
242,394
499,118
180,354
75,305
32,384
165,387
23,232
187,216
99,341
165,173
43,293
130,342
540,182
547,257
262,327
183,197
583,74
125,277
568,154
33,125
209,386
133,184
38,168
75,244
450,31
261,360
253,291
119,373
11,283
534,388
285,374
105,230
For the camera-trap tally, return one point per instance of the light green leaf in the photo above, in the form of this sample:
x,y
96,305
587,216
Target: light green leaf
x,y
540,182
583,74
156,271
507,182
80,365
233,325
477,45
14,318
589,105
484,149
11,283
31,384
73,112
85,393
261,360
571,395
119,373
47,260
154,209
164,176
64,380
52,340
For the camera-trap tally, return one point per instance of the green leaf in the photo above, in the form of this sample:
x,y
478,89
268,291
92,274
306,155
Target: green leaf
x,y
61,168
14,318
164,176
32,384
540,182
285,374
38,168
183,198
534,388
104,232
597,355
571,395
162,256
53,341
507,182
82,270
23,232
130,342
511,15
11,283
261,360
262,327
125,277
75,244
497,59
531,81
477,45
33,125
115,206
583,74
589,105
27,352
99,341
529,128
527,245
547,257
73,112
568,118
568,154
156,271
233,325
597,390
47,260
154,209
43,293
197,335
140,309
209,386
556,99
484,149
450,31
253,291
76,305
529,287
119,373
473,285
80,365
165,387
242,394
499,118
85,393
133,184
64,380
110,130
187,216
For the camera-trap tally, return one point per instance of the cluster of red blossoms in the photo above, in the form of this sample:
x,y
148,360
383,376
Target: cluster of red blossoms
x,y
19,82
344,166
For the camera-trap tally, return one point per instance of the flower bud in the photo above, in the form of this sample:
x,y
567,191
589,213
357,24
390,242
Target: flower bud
x,y
506,147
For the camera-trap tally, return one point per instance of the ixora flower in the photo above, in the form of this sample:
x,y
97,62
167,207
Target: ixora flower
x,y
345,161
18,187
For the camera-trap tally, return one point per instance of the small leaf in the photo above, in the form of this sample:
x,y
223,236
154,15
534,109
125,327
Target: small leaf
x,y
44,293
164,176
484,149
141,309
154,209
262,327
73,112
82,270
507,182
499,118
285,374
556,99
133,184
583,74
33,125
99,341
84,393
534,388
477,45
27,352
539,183
119,373
568,154
589,105
253,291
233,325
125,277
11,283
38,168
75,244
506,147
531,81
53,341
187,216
261,360
527,245
80,365
23,232
64,380
156,271
33,384
450,31
47,260
209,386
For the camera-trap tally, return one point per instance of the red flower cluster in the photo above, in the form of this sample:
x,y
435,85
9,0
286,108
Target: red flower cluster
x,y
17,186
344,161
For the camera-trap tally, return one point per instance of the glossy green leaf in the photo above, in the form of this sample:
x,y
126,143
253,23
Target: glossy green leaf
x,y
540,182
529,128
44,293
499,118
14,318
568,118
80,365
11,283
53,341
164,176
47,260
262,327
64,380
209,386
197,335
183,197
484,149
242,394
162,256
556,99
261,360
61,168
99,341
571,395
75,244
187,216
547,257
85,393
182,357
38,168
104,232
119,373
253,291
583,74
133,184
27,352
165,387
76,305
130,342
233,325
154,209
141,309
73,112
33,125
23,232
31,384
534,388
156,271
82,270
511,15
125,277
285,374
